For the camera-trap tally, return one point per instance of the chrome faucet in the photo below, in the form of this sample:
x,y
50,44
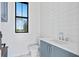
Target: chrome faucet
x,y
61,36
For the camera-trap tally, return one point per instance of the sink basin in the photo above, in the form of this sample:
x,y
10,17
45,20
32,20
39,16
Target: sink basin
x,y
59,41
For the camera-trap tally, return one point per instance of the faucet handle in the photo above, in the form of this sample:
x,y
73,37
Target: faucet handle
x,y
61,36
66,39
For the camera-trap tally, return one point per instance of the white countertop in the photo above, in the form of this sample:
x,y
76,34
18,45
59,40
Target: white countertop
x,y
69,46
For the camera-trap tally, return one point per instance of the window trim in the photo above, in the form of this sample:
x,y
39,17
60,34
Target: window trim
x,y
23,17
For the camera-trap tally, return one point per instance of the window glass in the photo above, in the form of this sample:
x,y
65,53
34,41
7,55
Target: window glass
x,y
21,25
18,9
24,10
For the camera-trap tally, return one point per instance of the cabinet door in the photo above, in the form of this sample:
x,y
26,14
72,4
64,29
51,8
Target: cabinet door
x,y
63,53
52,52
45,49
60,52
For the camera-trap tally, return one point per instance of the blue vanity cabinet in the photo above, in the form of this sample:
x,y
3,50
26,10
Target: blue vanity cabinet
x,y
49,50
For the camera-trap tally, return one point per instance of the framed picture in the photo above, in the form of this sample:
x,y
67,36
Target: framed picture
x,y
4,11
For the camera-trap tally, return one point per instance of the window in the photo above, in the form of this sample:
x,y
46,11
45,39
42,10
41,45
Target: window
x,y
4,11
21,17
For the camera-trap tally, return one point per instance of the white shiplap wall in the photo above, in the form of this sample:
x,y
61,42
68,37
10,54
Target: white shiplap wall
x,y
18,42
60,17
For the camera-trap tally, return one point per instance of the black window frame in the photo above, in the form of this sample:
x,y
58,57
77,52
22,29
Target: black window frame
x,y
22,17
